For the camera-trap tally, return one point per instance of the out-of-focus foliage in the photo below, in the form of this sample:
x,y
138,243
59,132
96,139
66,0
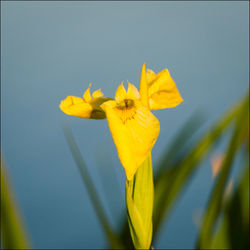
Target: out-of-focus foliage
x,y
215,205
225,224
13,233
233,231
96,202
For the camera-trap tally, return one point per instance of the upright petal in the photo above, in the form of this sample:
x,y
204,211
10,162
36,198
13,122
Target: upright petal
x,y
150,75
162,91
132,92
97,93
120,93
144,87
134,132
87,96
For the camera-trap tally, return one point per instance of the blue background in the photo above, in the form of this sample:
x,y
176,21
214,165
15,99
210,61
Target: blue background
x,y
53,49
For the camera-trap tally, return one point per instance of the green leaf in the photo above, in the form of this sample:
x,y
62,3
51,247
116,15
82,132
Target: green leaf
x,y
113,239
13,231
233,231
174,152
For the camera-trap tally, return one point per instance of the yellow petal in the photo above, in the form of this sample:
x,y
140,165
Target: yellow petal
x,y
144,87
76,106
164,99
87,96
134,132
150,75
121,93
132,92
162,91
97,93
109,104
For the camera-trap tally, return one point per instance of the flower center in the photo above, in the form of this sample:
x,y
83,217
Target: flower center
x,y
125,104
126,109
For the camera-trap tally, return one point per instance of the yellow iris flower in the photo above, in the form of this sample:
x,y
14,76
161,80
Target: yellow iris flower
x,y
133,127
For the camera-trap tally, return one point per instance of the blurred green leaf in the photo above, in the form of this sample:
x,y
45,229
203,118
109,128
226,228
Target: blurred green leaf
x,y
113,239
233,231
171,182
215,203
13,231
175,152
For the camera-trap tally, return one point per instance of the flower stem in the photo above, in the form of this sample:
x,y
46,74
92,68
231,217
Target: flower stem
x,y
139,201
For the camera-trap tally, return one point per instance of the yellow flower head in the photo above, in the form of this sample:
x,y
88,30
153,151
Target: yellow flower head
x,y
133,127
86,107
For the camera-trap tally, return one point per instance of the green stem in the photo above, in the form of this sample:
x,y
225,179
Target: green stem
x,y
139,201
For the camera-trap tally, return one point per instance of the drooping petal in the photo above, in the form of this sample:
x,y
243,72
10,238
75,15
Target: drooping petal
x,y
76,106
87,96
162,90
134,132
